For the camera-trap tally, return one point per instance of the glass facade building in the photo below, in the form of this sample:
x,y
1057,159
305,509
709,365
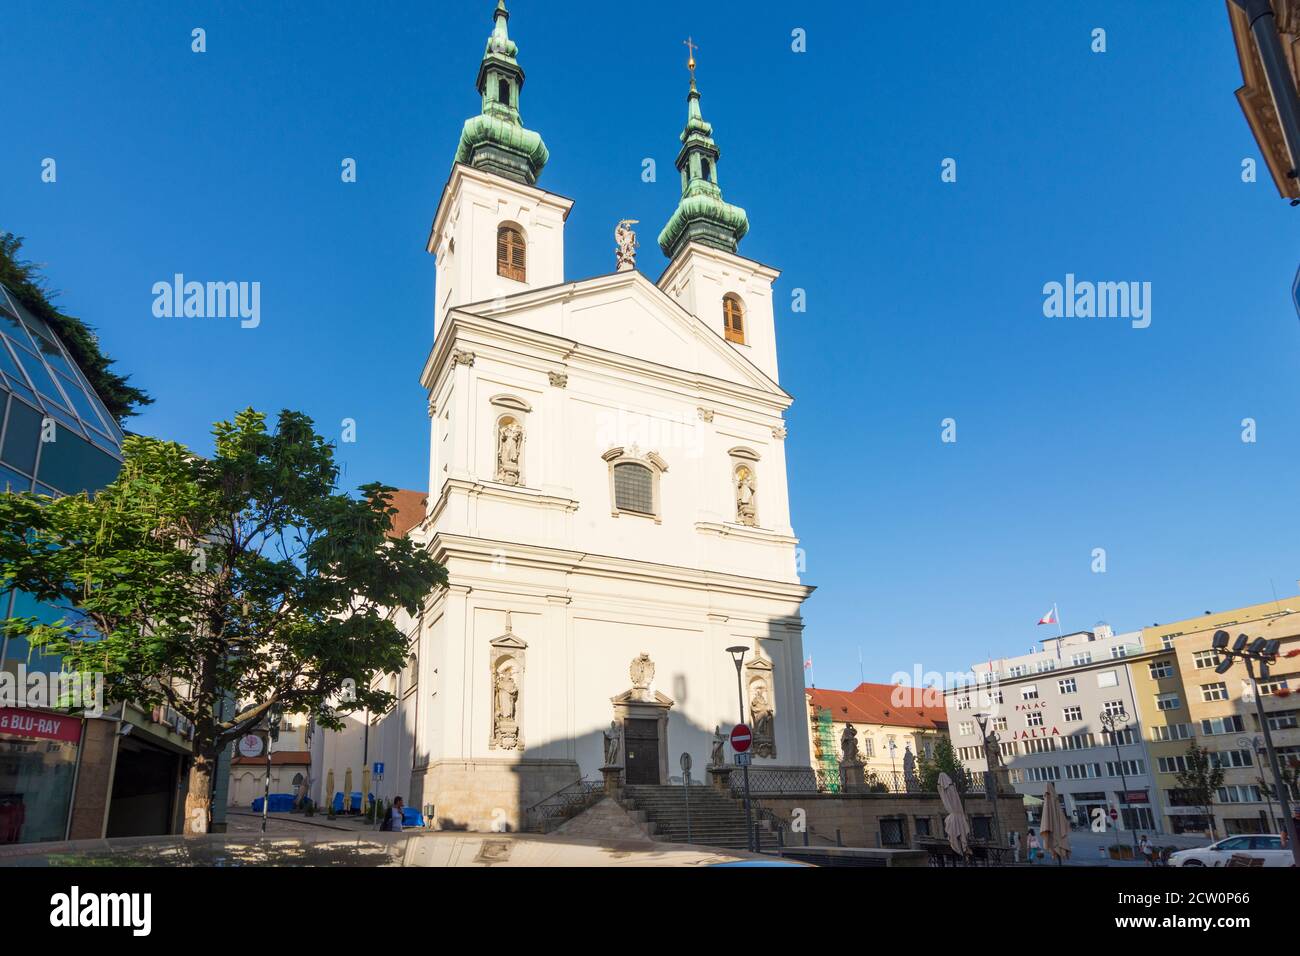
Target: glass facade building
x,y
56,438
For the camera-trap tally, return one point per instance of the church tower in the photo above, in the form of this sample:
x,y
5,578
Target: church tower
x,y
607,490
731,294
495,233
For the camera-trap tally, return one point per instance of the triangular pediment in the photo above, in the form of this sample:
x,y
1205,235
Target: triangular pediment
x,y
626,314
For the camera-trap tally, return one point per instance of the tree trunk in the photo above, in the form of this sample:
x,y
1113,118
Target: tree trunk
x,y
198,801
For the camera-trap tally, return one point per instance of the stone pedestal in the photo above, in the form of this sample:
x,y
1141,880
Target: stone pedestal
x,y
853,777
613,780
720,778
999,780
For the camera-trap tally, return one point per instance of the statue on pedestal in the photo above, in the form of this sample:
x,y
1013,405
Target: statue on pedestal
x,y
613,744
625,253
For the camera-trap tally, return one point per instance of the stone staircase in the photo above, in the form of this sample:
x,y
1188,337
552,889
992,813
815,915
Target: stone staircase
x,y
717,819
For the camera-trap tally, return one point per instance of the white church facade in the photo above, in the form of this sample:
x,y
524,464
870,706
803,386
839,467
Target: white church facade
x,y
607,489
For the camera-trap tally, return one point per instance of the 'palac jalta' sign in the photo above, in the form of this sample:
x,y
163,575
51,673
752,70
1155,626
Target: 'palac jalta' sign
x,y
1034,732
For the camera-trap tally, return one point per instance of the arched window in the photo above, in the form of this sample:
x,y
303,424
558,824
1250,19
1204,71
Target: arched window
x,y
503,92
733,318
512,257
634,488
706,170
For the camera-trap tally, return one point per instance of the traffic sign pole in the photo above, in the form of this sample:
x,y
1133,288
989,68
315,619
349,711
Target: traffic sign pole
x,y
741,738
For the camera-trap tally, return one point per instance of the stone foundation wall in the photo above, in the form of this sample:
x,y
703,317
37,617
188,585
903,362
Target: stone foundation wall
x,y
487,796
858,816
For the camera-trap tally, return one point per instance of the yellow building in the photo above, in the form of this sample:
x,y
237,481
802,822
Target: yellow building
x,y
895,726
1182,699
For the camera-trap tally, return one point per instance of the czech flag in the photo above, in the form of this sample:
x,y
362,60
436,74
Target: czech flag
x,y
1049,617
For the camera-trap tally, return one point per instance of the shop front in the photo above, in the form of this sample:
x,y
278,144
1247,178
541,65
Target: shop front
x,y
38,770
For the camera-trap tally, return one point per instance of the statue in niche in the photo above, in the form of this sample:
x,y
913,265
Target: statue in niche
x,y
715,749
849,745
760,710
613,744
505,701
510,446
746,506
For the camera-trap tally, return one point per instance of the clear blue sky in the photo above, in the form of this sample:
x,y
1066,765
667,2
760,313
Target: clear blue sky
x,y
924,298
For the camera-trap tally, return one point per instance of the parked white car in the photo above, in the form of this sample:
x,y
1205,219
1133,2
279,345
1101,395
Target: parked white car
x,y
1267,847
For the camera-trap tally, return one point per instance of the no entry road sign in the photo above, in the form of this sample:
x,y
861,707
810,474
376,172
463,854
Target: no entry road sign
x,y
741,738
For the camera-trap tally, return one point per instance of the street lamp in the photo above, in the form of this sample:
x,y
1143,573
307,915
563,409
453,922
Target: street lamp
x,y
1110,720
1265,653
738,656
990,781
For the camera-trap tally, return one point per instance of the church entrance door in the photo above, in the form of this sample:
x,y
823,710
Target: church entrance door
x,y
642,743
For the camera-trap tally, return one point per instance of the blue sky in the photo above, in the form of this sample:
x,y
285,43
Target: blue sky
x,y
924,298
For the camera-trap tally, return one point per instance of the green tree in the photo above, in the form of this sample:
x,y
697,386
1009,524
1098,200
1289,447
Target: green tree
x,y
944,760
245,573
24,280
1200,780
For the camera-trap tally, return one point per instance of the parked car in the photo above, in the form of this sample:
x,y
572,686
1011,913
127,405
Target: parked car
x,y
1267,847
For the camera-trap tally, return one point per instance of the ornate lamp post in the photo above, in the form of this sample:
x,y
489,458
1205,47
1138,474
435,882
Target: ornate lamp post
x,y
1110,721
738,656
990,780
1263,652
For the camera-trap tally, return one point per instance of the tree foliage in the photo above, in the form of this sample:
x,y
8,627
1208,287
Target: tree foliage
x,y
243,574
944,760
1201,779
24,280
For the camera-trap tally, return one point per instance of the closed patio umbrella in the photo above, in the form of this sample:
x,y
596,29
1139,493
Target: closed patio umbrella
x,y
955,823
1055,828
328,796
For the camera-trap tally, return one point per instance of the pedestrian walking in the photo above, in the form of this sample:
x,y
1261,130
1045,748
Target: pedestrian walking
x,y
393,822
1034,846
1147,851
1014,839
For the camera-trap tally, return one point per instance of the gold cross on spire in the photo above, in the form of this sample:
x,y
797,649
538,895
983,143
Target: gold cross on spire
x,y
690,63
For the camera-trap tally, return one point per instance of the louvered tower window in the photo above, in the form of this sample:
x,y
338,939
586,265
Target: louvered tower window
x,y
512,257
733,318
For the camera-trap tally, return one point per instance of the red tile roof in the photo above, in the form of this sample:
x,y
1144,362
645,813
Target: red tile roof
x,y
891,704
410,507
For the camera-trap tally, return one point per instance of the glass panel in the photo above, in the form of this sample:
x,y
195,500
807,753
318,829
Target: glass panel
x,y
633,488
22,437
72,464
11,480
66,420
54,355
7,363
80,403
9,323
25,605
35,787
40,376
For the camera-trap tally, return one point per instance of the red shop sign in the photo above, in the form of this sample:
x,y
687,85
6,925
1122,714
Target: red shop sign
x,y
34,723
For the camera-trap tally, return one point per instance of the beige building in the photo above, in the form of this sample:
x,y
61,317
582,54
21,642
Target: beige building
x,y
895,726
1221,716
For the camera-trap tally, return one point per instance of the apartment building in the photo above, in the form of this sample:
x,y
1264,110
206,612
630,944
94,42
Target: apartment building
x,y
1218,711
1049,710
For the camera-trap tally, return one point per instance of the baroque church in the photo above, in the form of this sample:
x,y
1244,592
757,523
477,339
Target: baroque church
x,y
607,489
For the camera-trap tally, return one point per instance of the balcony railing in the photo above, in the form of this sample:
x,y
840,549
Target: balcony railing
x,y
816,780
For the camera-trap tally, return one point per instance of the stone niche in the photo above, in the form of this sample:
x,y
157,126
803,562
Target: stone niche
x,y
507,663
760,697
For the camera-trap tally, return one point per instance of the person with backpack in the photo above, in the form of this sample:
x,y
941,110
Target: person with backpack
x,y
393,819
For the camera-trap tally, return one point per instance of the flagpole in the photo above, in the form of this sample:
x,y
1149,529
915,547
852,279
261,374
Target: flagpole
x,y
1059,633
